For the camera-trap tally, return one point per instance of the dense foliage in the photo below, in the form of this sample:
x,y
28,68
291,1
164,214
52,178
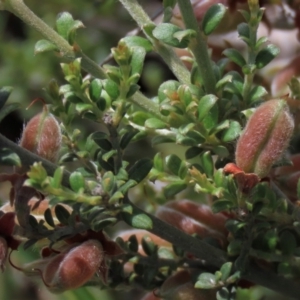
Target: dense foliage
x,y
185,188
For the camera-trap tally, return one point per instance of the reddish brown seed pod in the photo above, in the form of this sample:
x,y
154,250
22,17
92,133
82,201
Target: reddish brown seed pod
x,y
42,136
265,138
201,213
189,225
73,268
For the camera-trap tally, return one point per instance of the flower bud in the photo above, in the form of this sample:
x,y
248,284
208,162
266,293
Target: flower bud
x,y
42,136
265,138
73,268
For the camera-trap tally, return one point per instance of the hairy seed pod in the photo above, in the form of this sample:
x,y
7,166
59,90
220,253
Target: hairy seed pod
x,y
265,138
42,136
73,268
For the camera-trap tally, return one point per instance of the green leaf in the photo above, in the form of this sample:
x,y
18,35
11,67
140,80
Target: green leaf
x,y
139,221
174,163
95,89
266,55
77,182
108,182
137,41
115,198
142,221
43,46
57,177
48,217
257,93
207,163
83,107
114,73
111,88
148,246
165,33
212,18
90,116
211,119
167,88
185,35
203,184
62,214
4,95
140,169
158,162
101,140
221,151
234,247
224,294
133,244
9,158
106,156
126,186
126,138
245,14
37,172
226,270
192,152
206,281
132,90
205,105
162,139
100,225
137,60
66,25
244,31
235,56
248,112
232,132
196,136
260,41
221,205
154,123
174,188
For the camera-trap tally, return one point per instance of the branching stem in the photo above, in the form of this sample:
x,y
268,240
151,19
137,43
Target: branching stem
x,y
166,52
198,46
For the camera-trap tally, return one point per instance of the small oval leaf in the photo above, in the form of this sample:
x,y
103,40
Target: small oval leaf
x,y
212,18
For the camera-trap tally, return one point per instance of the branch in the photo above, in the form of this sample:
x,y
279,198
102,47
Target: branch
x,y
167,53
211,256
198,46
28,158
